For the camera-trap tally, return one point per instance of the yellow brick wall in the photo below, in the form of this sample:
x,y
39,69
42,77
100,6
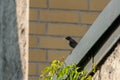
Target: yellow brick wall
x,y
50,22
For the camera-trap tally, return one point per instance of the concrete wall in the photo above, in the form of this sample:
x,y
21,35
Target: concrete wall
x,y
11,55
22,10
53,20
110,70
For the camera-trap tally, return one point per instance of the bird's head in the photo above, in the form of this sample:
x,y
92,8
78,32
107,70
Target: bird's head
x,y
68,38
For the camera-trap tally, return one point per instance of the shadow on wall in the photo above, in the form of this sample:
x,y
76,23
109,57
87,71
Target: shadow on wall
x,y
10,60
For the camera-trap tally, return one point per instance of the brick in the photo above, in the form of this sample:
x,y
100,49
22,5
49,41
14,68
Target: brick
x,y
33,78
38,3
54,43
58,55
66,29
98,4
33,14
69,4
59,16
37,28
32,69
33,42
37,55
41,79
88,18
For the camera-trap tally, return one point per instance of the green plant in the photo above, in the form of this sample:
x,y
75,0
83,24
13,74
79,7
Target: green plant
x,y
59,71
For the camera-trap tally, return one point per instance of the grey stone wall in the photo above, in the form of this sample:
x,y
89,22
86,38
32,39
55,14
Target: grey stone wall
x,y
11,56
110,70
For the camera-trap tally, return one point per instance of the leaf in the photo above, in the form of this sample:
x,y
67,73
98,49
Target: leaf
x,y
89,77
94,68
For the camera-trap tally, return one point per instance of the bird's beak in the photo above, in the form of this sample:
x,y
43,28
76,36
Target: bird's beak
x,y
66,40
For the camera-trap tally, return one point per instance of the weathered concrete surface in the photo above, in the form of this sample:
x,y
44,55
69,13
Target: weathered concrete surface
x,y
11,60
22,22
110,70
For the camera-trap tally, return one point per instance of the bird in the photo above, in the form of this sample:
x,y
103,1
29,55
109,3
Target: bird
x,y
72,42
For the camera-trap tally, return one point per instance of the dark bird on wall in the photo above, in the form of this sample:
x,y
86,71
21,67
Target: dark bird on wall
x,y
72,42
